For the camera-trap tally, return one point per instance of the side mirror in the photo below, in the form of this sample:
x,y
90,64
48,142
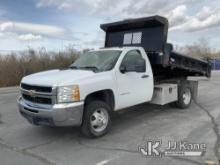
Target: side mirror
x,y
122,69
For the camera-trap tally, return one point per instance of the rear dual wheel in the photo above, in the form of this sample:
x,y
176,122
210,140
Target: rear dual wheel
x,y
184,97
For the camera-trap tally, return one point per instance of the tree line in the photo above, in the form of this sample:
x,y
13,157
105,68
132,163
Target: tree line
x,y
14,66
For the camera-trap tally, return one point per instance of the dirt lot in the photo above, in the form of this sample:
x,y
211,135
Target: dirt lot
x,y
25,144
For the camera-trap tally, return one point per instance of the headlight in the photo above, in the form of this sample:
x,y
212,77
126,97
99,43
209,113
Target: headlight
x,y
67,94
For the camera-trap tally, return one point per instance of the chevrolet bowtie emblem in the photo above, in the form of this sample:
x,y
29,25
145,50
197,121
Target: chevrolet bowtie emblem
x,y
32,93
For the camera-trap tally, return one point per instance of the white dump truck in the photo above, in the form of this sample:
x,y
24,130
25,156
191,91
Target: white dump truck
x,y
135,66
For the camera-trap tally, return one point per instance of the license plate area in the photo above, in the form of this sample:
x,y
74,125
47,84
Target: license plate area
x,y
36,120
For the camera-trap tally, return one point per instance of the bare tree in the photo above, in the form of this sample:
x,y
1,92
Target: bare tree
x,y
200,49
14,66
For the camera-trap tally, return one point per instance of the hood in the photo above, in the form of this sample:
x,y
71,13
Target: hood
x,y
56,77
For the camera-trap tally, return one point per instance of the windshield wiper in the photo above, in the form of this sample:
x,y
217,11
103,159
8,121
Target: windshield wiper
x,y
73,67
94,68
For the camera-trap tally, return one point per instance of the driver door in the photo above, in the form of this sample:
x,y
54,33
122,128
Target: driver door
x,y
133,87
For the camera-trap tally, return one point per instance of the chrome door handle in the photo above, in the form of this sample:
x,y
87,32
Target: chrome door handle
x,y
145,76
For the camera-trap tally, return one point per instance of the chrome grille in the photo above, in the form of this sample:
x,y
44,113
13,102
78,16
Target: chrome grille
x,y
36,88
39,100
38,94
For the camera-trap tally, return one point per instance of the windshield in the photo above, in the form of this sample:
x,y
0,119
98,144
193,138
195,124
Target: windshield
x,y
97,60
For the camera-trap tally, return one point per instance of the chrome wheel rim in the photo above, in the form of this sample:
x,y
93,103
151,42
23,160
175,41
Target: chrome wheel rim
x,y
187,96
99,120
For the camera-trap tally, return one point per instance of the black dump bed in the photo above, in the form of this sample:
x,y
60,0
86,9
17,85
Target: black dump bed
x,y
151,34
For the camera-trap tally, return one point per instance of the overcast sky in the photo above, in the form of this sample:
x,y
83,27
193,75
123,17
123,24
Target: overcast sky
x,y
56,23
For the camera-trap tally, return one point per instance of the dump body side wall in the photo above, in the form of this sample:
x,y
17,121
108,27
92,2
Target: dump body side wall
x,y
153,38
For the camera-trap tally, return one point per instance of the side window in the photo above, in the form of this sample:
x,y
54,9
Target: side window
x,y
131,59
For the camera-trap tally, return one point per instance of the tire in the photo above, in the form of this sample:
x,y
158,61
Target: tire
x,y
96,119
184,97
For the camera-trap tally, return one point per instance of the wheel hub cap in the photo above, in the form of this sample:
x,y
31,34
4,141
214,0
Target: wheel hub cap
x,y
186,96
99,120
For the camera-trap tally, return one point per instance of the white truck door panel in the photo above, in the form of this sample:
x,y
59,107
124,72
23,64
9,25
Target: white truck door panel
x,y
133,87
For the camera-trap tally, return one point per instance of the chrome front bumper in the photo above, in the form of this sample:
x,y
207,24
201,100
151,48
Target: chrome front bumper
x,y
56,115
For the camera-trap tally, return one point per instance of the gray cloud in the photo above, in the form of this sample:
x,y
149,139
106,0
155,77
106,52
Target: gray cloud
x,y
9,26
125,8
205,19
31,31
30,37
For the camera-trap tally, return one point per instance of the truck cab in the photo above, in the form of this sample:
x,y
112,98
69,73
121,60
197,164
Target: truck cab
x,y
115,77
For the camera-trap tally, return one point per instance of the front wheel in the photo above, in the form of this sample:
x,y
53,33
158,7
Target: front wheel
x,y
97,119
